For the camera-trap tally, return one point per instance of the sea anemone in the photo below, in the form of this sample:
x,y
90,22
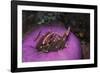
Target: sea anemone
x,y
50,43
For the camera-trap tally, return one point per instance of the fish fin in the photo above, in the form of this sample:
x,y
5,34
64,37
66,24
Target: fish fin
x,y
37,36
68,31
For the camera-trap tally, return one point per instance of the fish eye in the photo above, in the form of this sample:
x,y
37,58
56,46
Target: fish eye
x,y
40,46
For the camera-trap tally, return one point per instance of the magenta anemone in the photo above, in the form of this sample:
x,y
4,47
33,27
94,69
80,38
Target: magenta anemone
x,y
71,49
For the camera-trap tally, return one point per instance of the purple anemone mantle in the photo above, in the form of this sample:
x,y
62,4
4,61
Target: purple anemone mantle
x,y
30,53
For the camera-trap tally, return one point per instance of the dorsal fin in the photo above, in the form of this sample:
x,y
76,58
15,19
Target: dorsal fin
x,y
66,33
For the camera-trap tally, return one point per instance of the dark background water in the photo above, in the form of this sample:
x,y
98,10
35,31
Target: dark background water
x,y
79,23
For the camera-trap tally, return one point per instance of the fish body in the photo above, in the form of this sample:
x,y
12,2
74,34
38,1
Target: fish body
x,y
52,42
